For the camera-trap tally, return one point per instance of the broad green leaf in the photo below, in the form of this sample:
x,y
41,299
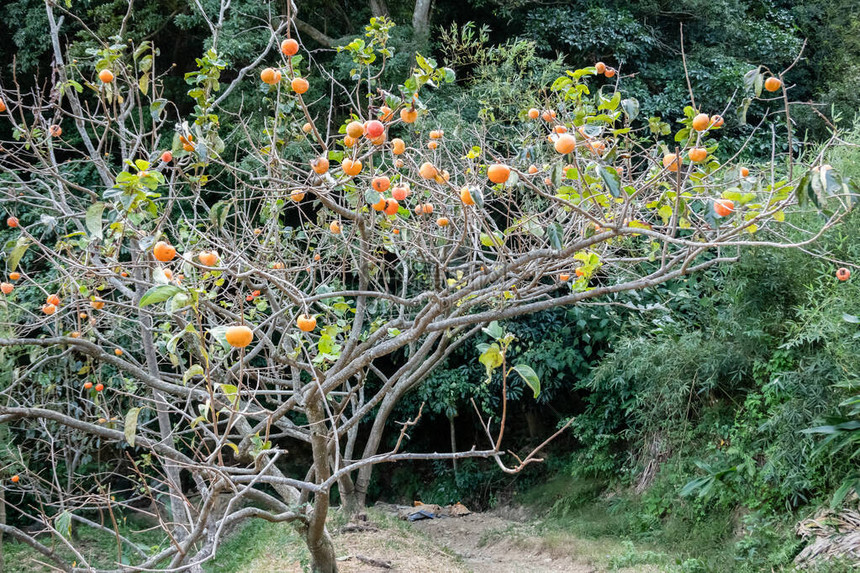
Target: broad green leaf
x,y
219,212
94,219
63,524
491,358
130,427
530,377
193,370
631,108
554,235
494,330
159,293
610,179
21,246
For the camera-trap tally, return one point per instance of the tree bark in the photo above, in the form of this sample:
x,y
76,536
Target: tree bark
x,y
453,441
379,8
317,538
421,22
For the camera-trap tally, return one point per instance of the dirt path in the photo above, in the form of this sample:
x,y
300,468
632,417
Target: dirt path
x,y
488,542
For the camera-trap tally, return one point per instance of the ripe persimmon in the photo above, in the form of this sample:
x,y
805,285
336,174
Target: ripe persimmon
x,y
466,196
297,196
351,167
320,165
12,222
698,154
717,121
379,205
498,173
307,127
724,207
400,192
609,73
534,113
97,304
15,478
564,277
408,115
385,113
432,144
208,258
14,276
7,288
306,322
239,336
745,172
427,170
701,122
398,146
373,129
391,207
381,184
100,387
300,85
334,227
355,129
442,221
55,130
533,169
53,299
88,385
106,76
672,162
600,68
289,47
565,143
75,334
163,252
772,84
2,106
843,274
167,157
270,76
118,351
49,309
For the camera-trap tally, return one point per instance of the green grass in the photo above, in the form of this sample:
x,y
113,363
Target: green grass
x,y
97,547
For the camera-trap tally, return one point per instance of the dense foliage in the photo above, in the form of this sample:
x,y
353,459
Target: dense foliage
x,y
723,398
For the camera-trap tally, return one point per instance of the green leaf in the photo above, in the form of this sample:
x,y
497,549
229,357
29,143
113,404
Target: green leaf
x,y
232,393
491,358
554,234
130,427
94,219
494,330
219,212
63,524
530,377
631,108
21,246
159,293
193,370
610,179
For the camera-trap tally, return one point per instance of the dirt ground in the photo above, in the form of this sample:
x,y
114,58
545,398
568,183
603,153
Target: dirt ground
x,y
476,543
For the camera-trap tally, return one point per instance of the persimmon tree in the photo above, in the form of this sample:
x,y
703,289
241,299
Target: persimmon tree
x,y
260,277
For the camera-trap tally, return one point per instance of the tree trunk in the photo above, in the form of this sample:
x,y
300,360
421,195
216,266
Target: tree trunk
x,y
421,22
323,558
453,441
379,8
2,522
372,446
317,538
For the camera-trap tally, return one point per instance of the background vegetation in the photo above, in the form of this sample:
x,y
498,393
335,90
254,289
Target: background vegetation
x,y
691,404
